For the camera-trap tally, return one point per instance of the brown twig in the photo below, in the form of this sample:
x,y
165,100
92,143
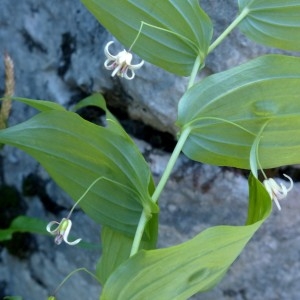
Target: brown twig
x,y
9,90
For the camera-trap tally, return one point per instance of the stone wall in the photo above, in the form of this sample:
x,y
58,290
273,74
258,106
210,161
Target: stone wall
x,y
57,48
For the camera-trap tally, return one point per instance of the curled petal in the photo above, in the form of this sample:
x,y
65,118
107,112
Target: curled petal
x,y
125,74
132,68
53,231
66,234
271,186
72,243
107,53
137,66
108,65
291,182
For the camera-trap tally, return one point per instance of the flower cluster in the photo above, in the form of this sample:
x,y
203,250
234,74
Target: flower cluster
x,y
61,231
120,63
276,191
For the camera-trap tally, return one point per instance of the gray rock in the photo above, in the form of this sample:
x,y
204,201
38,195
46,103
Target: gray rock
x,y
38,276
59,56
57,48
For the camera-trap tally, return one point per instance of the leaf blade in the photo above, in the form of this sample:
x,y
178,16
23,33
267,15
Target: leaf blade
x,y
23,224
272,23
117,248
175,52
41,105
230,108
195,266
76,152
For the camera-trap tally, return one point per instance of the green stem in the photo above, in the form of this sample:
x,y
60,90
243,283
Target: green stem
x,y
143,219
238,19
71,274
83,195
182,139
139,233
195,70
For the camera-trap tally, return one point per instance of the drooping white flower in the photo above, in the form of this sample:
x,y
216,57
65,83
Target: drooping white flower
x,y
120,63
276,191
61,231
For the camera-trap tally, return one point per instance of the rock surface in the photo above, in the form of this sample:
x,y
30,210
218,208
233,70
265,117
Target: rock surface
x,y
57,47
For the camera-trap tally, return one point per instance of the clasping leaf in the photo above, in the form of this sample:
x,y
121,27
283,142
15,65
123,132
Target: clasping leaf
x,y
173,35
225,113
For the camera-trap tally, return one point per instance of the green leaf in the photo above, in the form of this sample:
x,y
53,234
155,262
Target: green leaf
x,y
260,204
12,298
180,31
225,112
76,152
40,105
117,247
116,250
99,101
195,266
274,23
23,224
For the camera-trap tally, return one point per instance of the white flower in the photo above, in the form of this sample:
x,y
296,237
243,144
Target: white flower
x,y
276,191
62,231
120,63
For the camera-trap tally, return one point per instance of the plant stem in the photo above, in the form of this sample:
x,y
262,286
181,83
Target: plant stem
x,y
143,219
182,139
71,274
83,195
238,19
139,233
195,70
